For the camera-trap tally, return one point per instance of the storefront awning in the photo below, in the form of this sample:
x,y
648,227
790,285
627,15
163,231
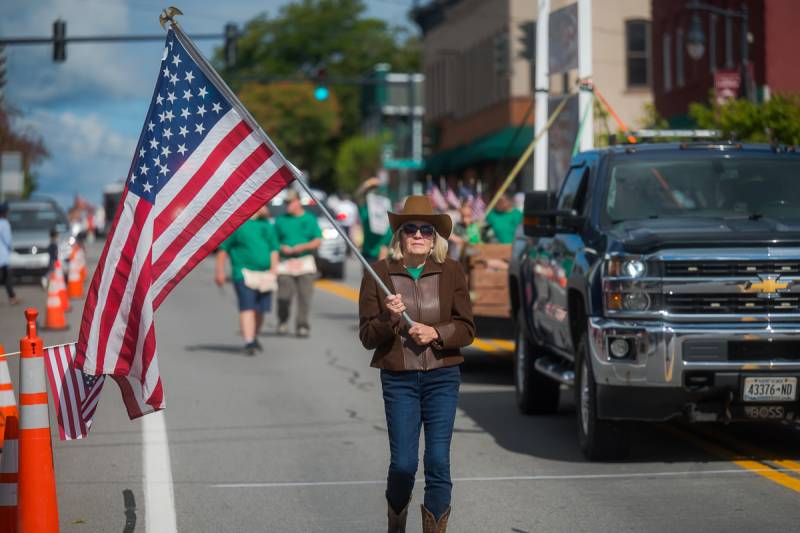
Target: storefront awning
x,y
489,148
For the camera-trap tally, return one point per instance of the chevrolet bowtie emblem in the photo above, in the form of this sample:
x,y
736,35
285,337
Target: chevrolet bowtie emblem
x,y
765,286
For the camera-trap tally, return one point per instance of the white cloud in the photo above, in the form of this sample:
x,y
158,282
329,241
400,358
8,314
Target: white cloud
x,y
85,153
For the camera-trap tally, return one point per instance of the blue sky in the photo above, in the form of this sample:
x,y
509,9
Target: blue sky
x,y
89,110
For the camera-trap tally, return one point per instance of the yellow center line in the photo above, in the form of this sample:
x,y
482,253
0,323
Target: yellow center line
x,y
756,467
339,289
350,293
753,450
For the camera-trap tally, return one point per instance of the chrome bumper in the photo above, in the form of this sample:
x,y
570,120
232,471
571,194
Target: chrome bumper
x,y
659,360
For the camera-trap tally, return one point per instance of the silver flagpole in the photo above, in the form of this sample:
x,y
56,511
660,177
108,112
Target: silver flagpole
x,y
211,73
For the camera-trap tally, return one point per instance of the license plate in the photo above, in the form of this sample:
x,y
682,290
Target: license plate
x,y
769,389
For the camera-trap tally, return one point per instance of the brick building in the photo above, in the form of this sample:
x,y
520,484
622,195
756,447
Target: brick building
x,y
479,87
680,79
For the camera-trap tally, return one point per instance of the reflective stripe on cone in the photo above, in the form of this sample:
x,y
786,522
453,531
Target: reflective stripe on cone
x,y
9,459
37,510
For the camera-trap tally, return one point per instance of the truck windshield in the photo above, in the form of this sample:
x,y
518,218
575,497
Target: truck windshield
x,y
713,187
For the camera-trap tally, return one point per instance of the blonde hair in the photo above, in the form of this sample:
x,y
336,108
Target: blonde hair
x,y
438,250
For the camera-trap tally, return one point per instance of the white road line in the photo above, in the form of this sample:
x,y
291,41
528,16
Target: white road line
x,y
157,476
690,473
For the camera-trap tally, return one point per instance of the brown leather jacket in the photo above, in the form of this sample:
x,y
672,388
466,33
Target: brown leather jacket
x,y
439,298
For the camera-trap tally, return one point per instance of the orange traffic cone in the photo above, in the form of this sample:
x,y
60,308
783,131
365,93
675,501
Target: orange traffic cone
x,y
62,285
9,459
80,254
54,318
74,281
37,507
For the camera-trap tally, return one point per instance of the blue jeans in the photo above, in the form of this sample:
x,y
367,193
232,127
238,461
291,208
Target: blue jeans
x,y
413,399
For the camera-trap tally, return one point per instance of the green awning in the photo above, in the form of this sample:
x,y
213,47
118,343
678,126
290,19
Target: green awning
x,y
489,148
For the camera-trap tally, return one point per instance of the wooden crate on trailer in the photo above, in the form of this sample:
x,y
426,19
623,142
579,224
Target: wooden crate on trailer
x,y
487,267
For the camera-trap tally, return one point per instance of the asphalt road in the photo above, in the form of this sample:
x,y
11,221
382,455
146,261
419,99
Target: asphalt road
x,y
294,440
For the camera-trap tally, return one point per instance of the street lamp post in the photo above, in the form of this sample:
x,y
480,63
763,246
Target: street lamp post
x,y
696,39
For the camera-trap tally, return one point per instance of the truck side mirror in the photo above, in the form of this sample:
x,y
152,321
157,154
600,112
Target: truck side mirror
x,y
539,212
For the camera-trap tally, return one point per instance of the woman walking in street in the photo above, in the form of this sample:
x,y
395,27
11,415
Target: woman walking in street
x,y
253,251
419,362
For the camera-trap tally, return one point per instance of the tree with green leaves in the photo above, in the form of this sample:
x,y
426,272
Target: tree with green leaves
x,y
302,127
359,158
336,35
776,120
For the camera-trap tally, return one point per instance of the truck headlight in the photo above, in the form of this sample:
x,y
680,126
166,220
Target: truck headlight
x,y
636,301
628,267
634,268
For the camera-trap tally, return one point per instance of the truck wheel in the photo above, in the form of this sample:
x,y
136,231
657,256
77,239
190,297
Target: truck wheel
x,y
536,394
599,439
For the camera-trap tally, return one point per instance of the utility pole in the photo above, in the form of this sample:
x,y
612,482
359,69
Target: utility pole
x,y
585,72
542,91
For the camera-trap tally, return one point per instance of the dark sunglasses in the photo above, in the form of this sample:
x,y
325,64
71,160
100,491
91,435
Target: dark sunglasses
x,y
426,230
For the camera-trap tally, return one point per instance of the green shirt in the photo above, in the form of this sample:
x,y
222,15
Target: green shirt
x,y
504,224
294,230
415,271
250,247
372,241
471,233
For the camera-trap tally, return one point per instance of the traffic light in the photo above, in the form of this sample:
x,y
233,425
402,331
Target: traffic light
x,y
231,38
59,41
501,63
321,91
528,40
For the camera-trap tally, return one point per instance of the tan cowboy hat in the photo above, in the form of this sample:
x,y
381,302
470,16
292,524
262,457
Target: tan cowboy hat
x,y
418,207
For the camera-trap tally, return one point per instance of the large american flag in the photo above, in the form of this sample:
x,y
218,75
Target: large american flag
x,y
201,168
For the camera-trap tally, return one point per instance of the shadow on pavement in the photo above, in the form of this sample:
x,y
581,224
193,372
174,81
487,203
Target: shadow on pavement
x,y
555,436
483,369
222,348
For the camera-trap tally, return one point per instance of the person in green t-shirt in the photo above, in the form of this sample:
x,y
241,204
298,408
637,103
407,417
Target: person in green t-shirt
x,y
465,232
502,221
299,235
375,245
253,247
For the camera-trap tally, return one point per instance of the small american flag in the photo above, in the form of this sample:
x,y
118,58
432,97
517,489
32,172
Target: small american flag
x,y
75,394
201,168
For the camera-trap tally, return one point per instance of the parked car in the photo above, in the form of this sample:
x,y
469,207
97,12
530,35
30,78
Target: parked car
x,y
332,254
31,222
662,281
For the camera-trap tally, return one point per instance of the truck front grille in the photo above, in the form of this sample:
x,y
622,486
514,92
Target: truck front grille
x,y
730,268
745,304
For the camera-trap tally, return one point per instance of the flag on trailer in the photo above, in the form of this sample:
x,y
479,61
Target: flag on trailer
x,y
75,394
201,168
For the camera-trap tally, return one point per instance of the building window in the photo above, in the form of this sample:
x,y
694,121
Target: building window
x,y
680,79
666,49
637,51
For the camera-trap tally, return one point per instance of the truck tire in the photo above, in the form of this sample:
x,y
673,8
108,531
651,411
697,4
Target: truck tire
x,y
599,439
536,394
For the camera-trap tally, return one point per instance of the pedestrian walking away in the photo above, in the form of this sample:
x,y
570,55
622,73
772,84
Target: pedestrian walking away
x,y
5,254
418,362
253,253
299,235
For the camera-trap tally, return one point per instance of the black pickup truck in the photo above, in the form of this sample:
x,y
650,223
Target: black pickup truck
x,y
663,280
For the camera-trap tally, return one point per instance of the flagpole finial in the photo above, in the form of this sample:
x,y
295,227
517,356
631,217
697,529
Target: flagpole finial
x,y
168,15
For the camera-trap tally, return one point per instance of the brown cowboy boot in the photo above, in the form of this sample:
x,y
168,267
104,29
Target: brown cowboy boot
x,y
430,524
397,521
